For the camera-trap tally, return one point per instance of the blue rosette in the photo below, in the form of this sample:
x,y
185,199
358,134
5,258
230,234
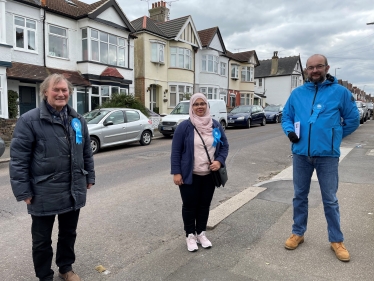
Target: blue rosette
x,y
216,136
77,127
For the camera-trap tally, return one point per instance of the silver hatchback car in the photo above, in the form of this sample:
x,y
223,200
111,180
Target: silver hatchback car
x,y
115,126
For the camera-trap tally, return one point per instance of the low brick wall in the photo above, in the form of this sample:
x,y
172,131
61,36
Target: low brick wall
x,y
7,128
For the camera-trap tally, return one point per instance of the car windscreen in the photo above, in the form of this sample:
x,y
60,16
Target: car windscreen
x,y
182,108
95,116
272,108
241,109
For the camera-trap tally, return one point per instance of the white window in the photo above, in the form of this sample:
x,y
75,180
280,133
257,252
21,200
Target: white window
x,y
247,73
105,48
58,42
295,81
157,52
223,68
210,92
101,94
179,93
245,99
209,63
234,71
180,57
260,82
25,33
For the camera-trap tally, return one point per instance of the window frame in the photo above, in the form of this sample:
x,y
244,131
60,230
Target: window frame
x,y
235,69
181,56
66,37
248,74
25,34
223,68
159,50
176,93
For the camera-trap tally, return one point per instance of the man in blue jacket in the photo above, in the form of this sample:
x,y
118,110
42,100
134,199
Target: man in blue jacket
x,y
316,117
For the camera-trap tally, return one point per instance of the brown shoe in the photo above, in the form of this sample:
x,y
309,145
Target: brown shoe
x,y
70,276
293,241
340,251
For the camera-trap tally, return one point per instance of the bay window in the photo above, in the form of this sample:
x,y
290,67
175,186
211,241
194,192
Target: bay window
x,y
157,52
234,71
180,58
209,63
247,73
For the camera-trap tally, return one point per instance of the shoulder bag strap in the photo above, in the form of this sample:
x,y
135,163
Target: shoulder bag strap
x,y
206,150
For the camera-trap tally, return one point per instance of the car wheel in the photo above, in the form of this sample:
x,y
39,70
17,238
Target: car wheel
x,y
223,124
146,138
95,145
248,123
276,120
362,120
263,123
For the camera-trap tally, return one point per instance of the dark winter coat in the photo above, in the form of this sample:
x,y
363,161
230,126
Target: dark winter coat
x,y
48,165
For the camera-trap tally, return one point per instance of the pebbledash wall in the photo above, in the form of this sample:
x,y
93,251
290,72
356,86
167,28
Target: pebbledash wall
x,y
7,128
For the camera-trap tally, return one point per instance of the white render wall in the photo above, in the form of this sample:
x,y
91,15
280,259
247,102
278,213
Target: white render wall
x,y
18,9
209,79
277,89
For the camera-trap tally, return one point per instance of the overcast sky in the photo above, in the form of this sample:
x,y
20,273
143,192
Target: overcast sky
x,y
337,29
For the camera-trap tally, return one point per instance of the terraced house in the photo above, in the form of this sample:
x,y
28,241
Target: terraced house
x,y
91,44
165,58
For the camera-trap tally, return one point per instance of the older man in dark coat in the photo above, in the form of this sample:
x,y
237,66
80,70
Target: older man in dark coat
x,y
51,168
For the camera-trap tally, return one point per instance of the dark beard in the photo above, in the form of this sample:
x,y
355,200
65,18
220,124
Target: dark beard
x,y
316,81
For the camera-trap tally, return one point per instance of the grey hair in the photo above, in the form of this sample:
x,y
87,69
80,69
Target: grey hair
x,y
53,79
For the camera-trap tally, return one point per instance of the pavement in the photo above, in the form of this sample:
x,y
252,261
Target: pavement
x,y
248,231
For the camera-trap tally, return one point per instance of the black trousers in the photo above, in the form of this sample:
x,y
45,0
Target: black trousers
x,y
42,253
196,198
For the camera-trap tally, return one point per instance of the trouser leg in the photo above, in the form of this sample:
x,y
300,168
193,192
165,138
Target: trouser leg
x,y
206,191
42,252
328,178
67,233
302,173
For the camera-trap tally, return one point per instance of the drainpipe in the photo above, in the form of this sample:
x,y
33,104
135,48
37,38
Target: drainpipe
x,y
44,53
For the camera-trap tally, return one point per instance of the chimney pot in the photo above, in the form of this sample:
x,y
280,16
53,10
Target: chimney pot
x,y
153,5
159,4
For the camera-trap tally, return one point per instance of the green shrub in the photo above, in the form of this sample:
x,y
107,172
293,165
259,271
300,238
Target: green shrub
x,y
12,104
124,100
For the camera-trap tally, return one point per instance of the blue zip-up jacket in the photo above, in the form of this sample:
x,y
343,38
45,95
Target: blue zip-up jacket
x,y
182,150
327,113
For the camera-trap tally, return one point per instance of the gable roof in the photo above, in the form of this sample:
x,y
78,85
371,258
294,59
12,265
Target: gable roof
x,y
111,72
77,10
207,35
286,66
169,29
243,56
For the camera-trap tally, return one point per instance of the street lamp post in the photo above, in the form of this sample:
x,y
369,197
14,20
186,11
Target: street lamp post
x,y
335,70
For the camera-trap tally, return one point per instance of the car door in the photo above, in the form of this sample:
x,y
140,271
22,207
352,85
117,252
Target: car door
x,y
134,125
255,115
114,128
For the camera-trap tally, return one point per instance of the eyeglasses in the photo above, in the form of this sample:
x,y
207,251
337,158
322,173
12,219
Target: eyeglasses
x,y
318,67
199,104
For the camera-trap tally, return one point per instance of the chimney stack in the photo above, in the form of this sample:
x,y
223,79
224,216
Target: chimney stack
x,y
274,63
159,11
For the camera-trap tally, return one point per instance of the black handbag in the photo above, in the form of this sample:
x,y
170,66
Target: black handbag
x,y
219,177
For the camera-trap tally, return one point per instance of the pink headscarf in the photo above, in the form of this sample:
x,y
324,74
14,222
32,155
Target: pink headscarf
x,y
203,124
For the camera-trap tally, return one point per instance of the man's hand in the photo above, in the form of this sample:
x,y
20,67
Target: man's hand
x,y
293,137
89,185
28,201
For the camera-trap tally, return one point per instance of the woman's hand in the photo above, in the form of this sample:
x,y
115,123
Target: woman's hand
x,y
215,166
178,179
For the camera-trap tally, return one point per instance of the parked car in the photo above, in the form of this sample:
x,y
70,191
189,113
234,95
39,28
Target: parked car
x,y
273,113
180,113
2,147
115,126
369,106
363,111
246,116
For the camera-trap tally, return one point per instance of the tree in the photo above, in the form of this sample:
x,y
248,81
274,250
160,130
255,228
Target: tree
x,y
12,104
124,100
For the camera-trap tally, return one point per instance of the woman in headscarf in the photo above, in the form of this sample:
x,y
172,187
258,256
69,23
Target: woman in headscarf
x,y
191,167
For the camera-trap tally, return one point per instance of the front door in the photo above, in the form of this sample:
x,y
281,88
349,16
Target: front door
x,y
153,97
27,99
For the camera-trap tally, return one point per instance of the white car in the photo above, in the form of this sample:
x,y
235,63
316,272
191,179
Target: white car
x,y
115,126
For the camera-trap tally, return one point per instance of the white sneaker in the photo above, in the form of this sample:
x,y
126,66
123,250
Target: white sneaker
x,y
191,243
201,239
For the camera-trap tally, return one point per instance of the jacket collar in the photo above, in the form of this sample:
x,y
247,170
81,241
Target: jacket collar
x,y
45,114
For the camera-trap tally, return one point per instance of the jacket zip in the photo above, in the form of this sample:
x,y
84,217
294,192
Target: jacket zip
x,y
310,125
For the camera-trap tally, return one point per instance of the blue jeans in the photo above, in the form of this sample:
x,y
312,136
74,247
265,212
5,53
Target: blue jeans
x,y
328,178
